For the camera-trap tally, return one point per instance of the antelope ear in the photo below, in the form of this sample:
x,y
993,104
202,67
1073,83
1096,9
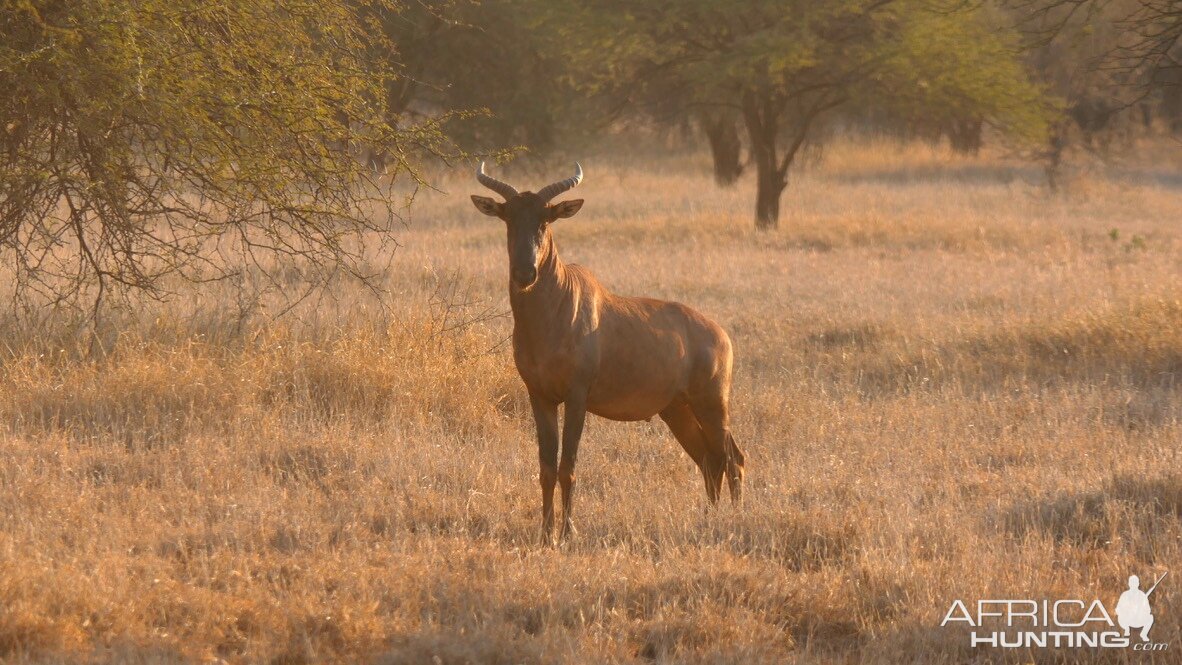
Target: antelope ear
x,y
565,209
487,206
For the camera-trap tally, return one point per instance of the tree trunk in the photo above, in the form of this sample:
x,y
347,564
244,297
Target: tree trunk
x,y
725,147
767,200
761,115
965,136
1054,156
762,112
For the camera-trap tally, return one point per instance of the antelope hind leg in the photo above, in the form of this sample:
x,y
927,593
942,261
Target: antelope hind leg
x,y
722,454
734,467
688,432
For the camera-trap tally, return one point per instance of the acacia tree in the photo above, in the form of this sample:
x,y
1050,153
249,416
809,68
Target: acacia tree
x,y
669,101
935,78
1156,48
1106,57
143,139
721,127
785,67
484,60
1152,29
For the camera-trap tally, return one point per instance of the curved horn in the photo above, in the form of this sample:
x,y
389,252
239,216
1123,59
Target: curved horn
x,y
503,188
550,191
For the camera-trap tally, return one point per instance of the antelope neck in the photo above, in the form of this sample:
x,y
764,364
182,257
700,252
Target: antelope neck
x,y
548,292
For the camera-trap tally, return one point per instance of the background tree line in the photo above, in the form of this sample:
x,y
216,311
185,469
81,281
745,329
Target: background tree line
x,y
141,139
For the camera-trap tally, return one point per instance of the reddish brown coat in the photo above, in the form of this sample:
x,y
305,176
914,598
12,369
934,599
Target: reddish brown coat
x,y
623,358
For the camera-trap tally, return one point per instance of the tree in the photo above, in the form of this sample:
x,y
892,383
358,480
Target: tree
x,y
961,72
1090,54
670,101
722,133
1150,30
144,139
483,60
786,67
1107,57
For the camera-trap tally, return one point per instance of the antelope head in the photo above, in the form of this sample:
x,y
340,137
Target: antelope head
x,y
527,218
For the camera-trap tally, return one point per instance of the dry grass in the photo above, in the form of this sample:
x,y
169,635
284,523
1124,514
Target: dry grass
x,y
949,385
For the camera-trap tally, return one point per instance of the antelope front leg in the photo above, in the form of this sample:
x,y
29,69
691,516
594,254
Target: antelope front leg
x,y
573,417
546,421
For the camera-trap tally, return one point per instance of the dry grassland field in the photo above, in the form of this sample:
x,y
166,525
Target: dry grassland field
x,y
949,384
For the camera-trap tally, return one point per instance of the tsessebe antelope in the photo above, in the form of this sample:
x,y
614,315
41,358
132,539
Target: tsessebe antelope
x,y
621,358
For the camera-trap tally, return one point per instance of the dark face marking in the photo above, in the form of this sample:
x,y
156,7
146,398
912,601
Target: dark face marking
x,y
526,223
